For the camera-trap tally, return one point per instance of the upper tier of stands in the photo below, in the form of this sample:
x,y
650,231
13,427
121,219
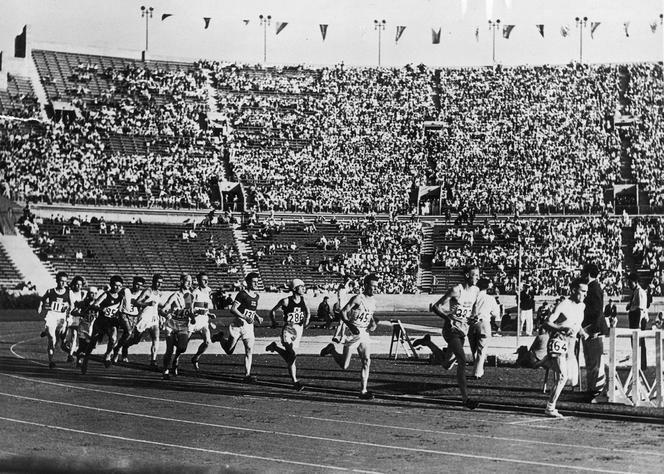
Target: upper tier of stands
x,y
646,102
352,139
526,138
19,99
139,249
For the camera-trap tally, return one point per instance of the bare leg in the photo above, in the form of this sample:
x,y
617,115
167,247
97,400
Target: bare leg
x,y
559,367
248,355
364,351
455,345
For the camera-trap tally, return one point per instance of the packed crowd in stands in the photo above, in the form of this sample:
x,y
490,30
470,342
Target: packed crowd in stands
x,y
67,163
648,250
335,139
388,248
553,252
526,139
645,95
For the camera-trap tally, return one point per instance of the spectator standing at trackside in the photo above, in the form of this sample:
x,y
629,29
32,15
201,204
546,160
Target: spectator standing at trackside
x,y
611,314
637,312
479,332
324,312
595,326
543,313
527,305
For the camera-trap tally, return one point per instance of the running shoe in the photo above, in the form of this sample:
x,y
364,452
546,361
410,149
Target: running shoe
x,y
250,379
194,361
166,375
84,366
366,395
51,365
423,341
298,386
553,413
327,350
272,347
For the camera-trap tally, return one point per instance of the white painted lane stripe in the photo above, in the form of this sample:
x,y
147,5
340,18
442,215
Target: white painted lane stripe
x,y
332,420
494,438
529,420
316,438
179,446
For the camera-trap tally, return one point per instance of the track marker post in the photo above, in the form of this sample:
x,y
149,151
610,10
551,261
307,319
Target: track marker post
x,y
400,338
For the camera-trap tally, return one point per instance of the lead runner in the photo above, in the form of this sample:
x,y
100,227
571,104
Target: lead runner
x,y
456,307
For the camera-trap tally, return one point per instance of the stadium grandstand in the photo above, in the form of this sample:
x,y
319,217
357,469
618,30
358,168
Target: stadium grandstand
x,y
546,140
405,174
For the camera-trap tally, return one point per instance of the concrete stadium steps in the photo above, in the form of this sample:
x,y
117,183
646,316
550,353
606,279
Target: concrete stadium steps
x,y
424,274
26,262
10,277
246,255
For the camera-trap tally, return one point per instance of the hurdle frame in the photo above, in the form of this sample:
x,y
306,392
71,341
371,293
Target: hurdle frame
x,y
636,390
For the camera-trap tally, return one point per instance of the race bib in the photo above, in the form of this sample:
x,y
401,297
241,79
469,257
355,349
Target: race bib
x,y
59,306
557,345
296,317
250,315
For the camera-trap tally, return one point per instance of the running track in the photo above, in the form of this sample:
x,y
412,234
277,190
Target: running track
x,y
127,417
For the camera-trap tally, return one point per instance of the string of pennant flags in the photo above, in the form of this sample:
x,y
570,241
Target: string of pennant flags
x,y
436,32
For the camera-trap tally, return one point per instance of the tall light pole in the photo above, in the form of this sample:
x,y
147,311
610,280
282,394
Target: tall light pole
x,y
146,12
380,26
265,22
494,25
581,24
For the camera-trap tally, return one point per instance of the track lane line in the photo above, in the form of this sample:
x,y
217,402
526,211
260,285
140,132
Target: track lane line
x,y
316,438
179,446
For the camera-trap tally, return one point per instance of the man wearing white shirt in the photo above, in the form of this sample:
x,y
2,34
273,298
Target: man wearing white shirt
x,y
480,327
564,324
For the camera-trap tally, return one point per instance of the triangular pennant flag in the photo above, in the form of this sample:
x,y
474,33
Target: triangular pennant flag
x,y
540,28
207,19
507,30
165,15
280,26
400,30
593,27
626,26
564,31
246,22
435,36
653,26
323,31
477,34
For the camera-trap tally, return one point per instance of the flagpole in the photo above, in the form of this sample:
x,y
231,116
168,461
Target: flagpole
x,y
493,26
146,12
265,21
380,26
581,24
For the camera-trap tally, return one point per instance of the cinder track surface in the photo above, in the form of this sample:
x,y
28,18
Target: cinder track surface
x,y
126,418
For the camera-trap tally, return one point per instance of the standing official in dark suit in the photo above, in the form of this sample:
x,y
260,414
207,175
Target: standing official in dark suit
x,y
595,326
